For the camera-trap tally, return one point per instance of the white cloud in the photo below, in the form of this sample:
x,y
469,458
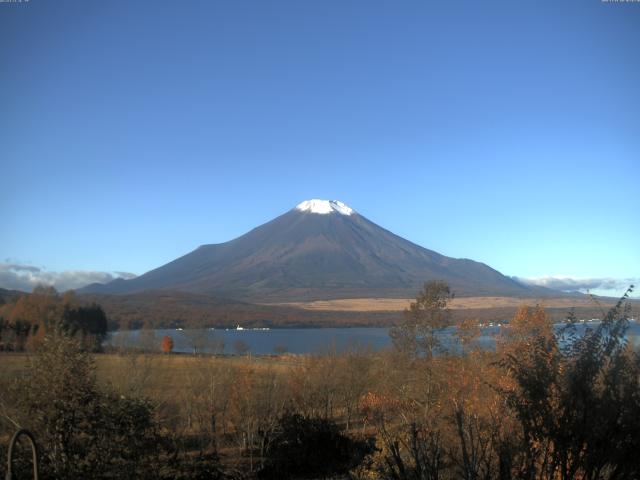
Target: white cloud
x,y
598,285
14,276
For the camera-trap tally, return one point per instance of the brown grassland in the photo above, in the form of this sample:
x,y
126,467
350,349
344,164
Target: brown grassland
x,y
154,374
459,303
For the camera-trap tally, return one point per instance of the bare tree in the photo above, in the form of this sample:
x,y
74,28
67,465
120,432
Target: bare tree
x,y
196,339
240,347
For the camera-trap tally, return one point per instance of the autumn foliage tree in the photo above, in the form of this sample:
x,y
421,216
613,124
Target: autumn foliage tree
x,y
576,398
167,344
27,319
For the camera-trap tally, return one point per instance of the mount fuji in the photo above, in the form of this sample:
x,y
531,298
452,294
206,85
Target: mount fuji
x,y
321,249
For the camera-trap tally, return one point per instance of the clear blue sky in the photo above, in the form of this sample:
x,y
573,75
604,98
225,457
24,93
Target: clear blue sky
x,y
507,132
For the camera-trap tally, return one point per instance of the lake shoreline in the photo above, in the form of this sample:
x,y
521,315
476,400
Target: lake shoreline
x,y
304,340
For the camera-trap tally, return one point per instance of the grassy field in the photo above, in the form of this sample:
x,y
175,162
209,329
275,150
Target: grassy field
x,y
150,373
463,303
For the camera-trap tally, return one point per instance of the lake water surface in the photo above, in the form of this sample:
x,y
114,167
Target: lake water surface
x,y
296,340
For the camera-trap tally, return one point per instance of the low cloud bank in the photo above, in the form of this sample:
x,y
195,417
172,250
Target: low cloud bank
x,y
15,276
614,286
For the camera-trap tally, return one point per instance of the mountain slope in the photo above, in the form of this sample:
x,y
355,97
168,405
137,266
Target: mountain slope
x,y
319,249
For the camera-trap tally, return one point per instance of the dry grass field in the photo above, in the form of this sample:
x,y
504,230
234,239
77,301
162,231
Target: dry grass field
x,y
399,304
153,374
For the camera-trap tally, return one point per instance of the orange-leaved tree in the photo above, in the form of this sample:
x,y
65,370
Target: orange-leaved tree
x,y
167,344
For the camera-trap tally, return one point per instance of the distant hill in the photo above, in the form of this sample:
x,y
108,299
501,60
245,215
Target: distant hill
x,y
318,250
8,295
171,309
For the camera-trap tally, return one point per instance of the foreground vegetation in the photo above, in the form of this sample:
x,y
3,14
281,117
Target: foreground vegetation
x,y
544,405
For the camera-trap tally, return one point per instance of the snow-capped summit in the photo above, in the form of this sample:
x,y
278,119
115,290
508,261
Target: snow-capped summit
x,y
324,206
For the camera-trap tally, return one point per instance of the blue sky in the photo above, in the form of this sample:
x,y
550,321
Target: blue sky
x,y
507,132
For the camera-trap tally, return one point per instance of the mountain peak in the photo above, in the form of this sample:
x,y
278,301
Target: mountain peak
x,y
319,250
323,207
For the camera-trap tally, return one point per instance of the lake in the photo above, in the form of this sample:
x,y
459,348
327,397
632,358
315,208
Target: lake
x,y
296,340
